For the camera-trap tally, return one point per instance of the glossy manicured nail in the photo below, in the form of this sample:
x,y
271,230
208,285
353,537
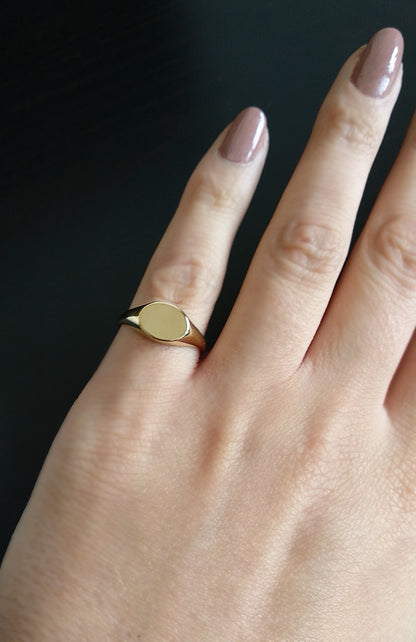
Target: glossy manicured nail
x,y
379,64
243,137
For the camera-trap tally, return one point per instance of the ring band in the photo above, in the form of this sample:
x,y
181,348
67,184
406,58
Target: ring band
x,y
165,323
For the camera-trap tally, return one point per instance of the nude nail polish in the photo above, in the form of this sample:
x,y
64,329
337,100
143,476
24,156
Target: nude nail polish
x,y
379,64
243,137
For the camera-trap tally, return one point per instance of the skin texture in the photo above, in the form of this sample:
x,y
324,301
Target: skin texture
x,y
268,490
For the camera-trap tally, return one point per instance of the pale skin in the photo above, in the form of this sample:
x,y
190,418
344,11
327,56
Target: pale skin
x,y
268,490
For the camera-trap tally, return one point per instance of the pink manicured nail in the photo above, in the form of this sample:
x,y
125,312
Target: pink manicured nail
x,y
243,137
379,64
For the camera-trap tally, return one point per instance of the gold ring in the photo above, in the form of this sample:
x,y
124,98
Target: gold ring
x,y
165,323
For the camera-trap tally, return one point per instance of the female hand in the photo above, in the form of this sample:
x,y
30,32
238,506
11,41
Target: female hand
x,y
267,491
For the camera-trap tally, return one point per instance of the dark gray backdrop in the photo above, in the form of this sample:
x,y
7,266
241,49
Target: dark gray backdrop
x,y
106,108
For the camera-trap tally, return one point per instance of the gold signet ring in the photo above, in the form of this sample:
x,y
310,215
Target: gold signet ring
x,y
165,323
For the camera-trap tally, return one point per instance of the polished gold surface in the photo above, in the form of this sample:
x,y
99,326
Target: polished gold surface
x,y
163,321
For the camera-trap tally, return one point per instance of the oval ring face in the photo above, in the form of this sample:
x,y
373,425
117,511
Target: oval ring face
x,y
163,321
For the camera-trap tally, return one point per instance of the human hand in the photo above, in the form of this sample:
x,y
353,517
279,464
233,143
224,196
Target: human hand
x,y
267,491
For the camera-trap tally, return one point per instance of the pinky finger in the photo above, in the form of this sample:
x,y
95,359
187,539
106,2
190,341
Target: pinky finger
x,y
189,264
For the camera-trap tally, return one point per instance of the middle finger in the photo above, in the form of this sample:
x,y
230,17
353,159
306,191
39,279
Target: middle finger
x,y
298,260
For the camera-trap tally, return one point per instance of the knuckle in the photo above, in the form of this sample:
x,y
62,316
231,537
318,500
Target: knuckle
x,y
182,281
307,248
351,125
393,251
207,189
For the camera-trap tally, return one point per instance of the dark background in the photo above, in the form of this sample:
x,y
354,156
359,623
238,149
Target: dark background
x,y
105,110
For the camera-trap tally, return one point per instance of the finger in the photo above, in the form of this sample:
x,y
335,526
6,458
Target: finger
x,y
401,396
373,312
297,262
189,264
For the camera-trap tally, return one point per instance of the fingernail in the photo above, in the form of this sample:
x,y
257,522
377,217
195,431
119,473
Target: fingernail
x,y
379,64
241,142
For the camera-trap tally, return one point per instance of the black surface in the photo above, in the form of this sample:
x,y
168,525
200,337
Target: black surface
x,y
105,111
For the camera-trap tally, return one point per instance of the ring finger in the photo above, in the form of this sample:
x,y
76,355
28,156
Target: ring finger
x,y
300,255
371,318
